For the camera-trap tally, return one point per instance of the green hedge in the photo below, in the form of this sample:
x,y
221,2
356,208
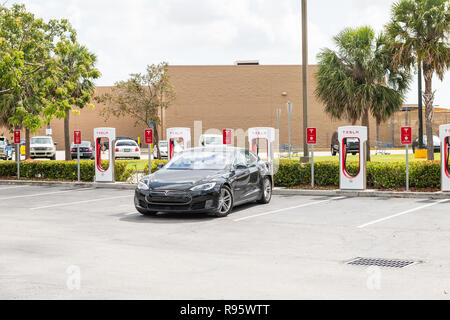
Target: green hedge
x,y
154,165
61,170
423,174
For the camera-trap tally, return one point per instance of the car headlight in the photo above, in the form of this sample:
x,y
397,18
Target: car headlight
x,y
204,187
143,185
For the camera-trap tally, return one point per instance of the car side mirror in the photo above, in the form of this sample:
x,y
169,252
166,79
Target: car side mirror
x,y
240,167
55,143
160,165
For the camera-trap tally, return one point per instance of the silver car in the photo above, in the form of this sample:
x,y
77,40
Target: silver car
x,y
163,149
6,150
42,147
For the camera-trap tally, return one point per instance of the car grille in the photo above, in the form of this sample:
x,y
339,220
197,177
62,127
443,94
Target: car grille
x,y
169,197
40,148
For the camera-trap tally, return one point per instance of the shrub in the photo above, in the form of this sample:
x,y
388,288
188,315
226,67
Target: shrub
x,y
154,165
424,174
61,170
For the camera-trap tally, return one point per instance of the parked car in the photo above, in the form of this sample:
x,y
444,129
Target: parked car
x,y
163,149
125,138
86,150
207,179
6,149
210,139
127,149
436,143
352,145
42,147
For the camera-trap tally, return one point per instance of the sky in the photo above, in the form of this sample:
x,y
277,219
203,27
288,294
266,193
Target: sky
x,y
127,35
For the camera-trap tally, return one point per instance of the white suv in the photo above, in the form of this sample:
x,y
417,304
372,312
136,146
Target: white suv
x,y
42,147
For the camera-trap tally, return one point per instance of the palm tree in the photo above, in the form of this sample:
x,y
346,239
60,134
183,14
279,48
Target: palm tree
x,y
77,65
358,79
419,32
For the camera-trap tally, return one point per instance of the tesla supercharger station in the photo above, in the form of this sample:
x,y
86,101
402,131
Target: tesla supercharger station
x,y
101,135
179,139
444,135
346,135
267,136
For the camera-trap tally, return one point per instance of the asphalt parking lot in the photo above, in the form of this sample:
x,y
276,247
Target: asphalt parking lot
x,y
61,243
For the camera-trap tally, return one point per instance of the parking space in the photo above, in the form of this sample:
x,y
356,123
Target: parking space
x,y
294,247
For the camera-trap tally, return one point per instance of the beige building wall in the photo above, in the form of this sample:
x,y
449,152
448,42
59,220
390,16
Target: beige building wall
x,y
236,97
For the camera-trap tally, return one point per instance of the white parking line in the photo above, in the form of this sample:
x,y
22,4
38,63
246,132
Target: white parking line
x,y
402,213
290,208
6,188
44,193
78,202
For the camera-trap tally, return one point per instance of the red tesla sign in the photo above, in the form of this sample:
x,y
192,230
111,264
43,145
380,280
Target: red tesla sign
x,y
77,137
311,135
149,136
17,136
406,135
227,136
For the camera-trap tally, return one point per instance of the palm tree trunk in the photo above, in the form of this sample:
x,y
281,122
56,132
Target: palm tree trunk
x,y
27,144
365,123
68,155
428,96
156,143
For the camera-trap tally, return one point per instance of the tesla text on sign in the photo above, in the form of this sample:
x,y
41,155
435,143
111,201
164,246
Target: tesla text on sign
x,y
77,137
311,135
149,136
17,136
406,135
227,136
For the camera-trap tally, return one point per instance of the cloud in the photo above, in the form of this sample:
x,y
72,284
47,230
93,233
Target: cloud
x,y
128,35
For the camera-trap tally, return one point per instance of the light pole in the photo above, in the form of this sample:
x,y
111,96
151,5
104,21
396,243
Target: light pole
x,y
305,79
289,109
278,119
419,115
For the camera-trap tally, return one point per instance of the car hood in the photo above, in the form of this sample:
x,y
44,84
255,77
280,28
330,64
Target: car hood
x,y
38,145
182,179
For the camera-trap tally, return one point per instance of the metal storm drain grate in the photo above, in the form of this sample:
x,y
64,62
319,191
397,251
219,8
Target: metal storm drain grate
x,y
387,263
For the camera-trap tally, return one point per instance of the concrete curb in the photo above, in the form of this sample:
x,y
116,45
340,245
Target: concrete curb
x,y
117,185
366,193
276,191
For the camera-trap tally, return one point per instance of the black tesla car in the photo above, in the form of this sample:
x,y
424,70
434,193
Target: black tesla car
x,y
210,179
86,150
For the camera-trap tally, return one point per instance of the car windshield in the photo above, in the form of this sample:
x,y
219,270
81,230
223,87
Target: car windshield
x,y
41,141
163,144
126,143
2,143
201,160
213,140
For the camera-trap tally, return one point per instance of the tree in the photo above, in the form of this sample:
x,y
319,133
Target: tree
x,y
419,32
359,79
76,69
28,73
140,97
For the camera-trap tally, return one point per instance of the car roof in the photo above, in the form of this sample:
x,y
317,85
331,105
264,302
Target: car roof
x,y
217,148
126,140
41,137
211,135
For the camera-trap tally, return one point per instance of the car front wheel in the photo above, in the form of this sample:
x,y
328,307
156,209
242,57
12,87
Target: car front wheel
x,y
225,202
